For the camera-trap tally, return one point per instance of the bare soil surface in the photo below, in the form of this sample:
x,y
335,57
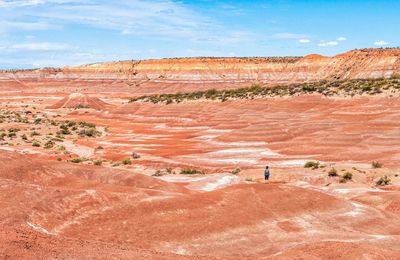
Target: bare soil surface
x,y
112,179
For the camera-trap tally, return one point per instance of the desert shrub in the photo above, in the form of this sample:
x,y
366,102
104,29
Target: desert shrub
x,y
98,162
332,172
91,132
383,181
348,176
64,132
376,165
169,171
249,179
61,147
311,164
158,173
191,171
49,144
135,155
348,87
76,160
35,144
236,171
11,134
37,121
127,161
88,125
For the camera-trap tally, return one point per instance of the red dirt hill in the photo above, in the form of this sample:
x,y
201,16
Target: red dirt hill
x,y
78,100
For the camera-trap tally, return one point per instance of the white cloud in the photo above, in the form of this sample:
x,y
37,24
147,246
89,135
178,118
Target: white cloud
x,y
341,39
30,3
304,41
328,44
381,43
288,36
27,26
39,46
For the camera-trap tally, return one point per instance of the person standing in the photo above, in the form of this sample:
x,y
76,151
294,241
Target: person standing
x,y
266,174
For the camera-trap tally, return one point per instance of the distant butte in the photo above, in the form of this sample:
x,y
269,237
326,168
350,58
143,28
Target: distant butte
x,y
165,75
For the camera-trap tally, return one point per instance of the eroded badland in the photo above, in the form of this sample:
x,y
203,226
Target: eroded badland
x,y
163,159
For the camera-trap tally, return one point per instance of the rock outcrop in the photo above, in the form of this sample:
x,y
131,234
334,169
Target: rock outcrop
x,y
367,63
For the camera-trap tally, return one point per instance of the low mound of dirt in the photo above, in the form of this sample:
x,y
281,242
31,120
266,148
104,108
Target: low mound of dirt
x,y
78,100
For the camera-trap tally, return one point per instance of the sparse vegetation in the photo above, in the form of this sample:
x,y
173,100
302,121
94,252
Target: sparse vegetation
x,y
135,156
98,162
127,161
311,164
236,171
331,88
77,160
376,165
332,172
348,176
191,171
158,173
383,181
90,132
49,144
35,144
34,133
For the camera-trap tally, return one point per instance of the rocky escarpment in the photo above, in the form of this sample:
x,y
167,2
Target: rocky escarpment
x,y
356,64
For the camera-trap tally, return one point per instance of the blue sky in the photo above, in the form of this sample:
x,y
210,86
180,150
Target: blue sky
x,y
40,33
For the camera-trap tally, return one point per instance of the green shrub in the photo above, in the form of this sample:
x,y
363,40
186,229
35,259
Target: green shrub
x,y
191,172
127,161
12,135
34,133
332,172
37,121
35,144
49,144
76,160
91,132
236,171
61,147
311,164
348,176
376,165
158,173
383,181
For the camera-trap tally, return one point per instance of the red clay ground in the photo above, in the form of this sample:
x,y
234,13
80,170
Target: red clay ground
x,y
113,213
54,208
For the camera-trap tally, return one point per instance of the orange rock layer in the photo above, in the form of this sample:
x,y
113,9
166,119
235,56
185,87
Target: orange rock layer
x,y
368,63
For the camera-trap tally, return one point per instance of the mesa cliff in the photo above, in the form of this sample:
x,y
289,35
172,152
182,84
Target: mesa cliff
x,y
232,72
